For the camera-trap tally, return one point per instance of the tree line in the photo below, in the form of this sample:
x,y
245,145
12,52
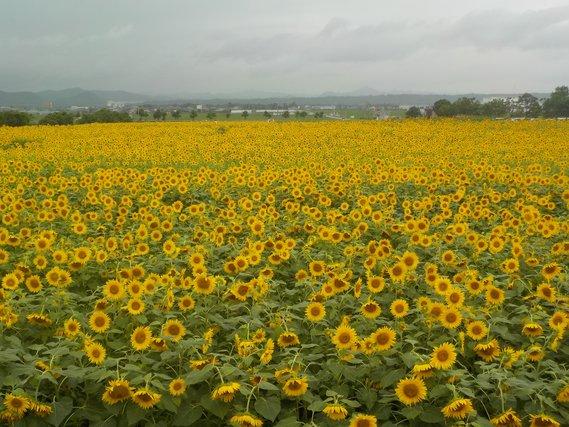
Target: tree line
x,y
526,106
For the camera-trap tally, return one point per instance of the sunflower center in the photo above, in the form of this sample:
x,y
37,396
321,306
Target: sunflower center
x,y
410,390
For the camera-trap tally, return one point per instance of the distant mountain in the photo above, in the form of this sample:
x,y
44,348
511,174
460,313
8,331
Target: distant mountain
x,y
67,97
364,91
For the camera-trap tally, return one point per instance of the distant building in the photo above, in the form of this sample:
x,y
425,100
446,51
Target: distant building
x,y
116,104
48,105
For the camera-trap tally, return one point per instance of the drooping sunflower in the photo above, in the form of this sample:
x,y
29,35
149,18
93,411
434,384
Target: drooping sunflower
x,y
16,404
488,351
443,356
363,420
315,311
410,391
245,420
117,391
458,409
422,370
177,387
563,395
344,337
174,329
225,392
335,411
383,338
295,386
288,339
535,353
141,338
549,271
146,398
507,419
543,420
99,321
532,329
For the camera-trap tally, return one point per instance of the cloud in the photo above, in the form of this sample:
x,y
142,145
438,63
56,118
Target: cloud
x,y
392,40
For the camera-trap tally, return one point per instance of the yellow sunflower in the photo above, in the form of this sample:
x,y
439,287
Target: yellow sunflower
x,y
174,329
295,386
177,387
117,391
335,411
458,409
99,321
225,392
141,338
363,420
315,311
344,337
145,398
410,391
443,356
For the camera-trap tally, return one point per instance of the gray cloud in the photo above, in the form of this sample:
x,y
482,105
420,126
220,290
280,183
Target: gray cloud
x,y
180,46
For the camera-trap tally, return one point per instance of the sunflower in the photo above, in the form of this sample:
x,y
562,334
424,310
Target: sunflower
x,y
451,318
114,290
410,391
186,303
399,308
295,386
245,420
117,391
535,353
455,297
95,352
375,284
532,329
15,404
203,284
435,310
549,271
383,338
335,411
507,419
71,327
135,306
344,337
174,329
177,387
543,420
370,309
494,295
547,292
288,339
316,268
422,370
488,351
10,282
99,321
443,356
33,283
563,395
267,354
458,409
559,320
442,285
476,330
397,272
145,398
315,311
225,392
141,338
363,420
411,260
474,286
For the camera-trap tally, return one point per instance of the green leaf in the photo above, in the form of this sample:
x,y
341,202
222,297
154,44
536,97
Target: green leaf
x,y
410,412
217,408
264,385
268,408
134,414
195,377
288,422
61,409
188,416
432,416
391,377
368,397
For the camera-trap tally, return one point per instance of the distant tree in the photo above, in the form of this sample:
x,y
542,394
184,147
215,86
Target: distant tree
x,y
105,115
557,105
211,115
443,108
319,115
158,114
413,112
227,114
141,112
466,106
527,105
267,114
193,114
303,114
176,114
245,114
14,118
57,118
286,114
495,108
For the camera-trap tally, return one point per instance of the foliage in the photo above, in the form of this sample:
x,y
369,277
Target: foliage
x,y
14,118
57,118
104,115
557,105
413,112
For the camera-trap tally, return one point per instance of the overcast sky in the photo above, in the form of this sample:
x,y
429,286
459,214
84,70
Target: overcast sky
x,y
291,46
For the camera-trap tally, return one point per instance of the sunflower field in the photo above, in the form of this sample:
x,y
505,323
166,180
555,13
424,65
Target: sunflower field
x,y
360,274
